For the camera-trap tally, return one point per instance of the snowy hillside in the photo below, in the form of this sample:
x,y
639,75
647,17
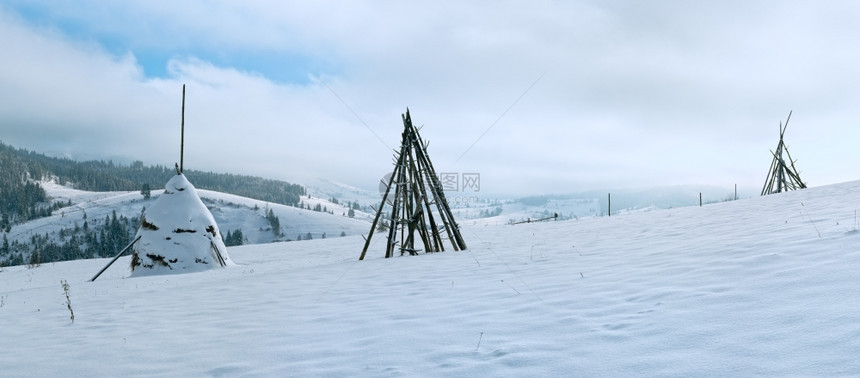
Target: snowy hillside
x,y
231,212
480,208
323,188
764,286
468,207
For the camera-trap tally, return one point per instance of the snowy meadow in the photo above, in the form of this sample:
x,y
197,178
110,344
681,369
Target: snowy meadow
x,y
763,286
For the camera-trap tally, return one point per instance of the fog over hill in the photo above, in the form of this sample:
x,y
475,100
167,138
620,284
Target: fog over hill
x,y
68,216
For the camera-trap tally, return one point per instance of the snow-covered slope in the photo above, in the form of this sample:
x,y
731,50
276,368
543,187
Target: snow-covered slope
x,y
317,187
231,213
765,286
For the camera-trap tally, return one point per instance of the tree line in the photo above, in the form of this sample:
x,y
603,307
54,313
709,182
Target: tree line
x,y
94,238
85,240
22,199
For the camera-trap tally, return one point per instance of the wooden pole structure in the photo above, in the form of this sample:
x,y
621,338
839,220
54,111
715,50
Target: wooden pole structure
x,y
700,199
609,204
217,253
781,174
418,200
182,139
379,212
114,259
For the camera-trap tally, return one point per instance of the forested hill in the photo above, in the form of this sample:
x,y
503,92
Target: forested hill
x,y
16,193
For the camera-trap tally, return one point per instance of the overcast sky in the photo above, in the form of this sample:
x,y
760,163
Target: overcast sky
x,y
536,96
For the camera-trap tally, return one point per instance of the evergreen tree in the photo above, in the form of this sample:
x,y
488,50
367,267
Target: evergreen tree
x,y
274,222
234,238
382,226
146,191
34,260
238,238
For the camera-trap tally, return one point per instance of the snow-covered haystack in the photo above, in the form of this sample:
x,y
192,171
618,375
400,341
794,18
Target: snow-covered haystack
x,y
178,234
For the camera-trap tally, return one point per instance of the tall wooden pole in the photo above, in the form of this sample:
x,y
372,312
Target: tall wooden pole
x,y
609,204
182,140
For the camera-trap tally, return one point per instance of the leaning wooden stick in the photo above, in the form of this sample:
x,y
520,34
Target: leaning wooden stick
x,y
114,259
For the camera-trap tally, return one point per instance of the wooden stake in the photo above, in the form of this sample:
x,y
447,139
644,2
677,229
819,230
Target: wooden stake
x,y
182,140
114,259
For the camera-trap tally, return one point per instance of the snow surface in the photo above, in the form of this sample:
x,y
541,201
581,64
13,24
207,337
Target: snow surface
x,y
765,286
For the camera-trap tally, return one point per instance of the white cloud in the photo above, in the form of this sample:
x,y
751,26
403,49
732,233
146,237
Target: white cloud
x,y
665,93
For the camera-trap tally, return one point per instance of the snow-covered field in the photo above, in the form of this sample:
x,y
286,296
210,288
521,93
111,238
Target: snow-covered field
x,y
765,286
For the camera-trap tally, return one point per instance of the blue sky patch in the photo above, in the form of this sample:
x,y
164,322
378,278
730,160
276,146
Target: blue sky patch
x,y
277,66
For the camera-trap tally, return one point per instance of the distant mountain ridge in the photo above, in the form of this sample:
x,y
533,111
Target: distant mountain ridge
x,y
101,176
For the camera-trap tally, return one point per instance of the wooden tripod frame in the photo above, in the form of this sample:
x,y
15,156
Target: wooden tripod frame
x,y
417,191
